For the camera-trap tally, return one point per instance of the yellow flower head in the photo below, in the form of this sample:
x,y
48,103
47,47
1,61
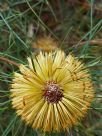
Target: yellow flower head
x,y
53,94
45,43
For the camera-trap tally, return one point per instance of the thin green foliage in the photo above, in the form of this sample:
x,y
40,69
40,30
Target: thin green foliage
x,y
65,23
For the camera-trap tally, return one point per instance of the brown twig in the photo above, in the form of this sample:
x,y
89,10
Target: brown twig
x,y
91,42
9,61
97,42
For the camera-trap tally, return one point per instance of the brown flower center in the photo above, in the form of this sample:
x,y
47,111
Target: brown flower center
x,y
53,93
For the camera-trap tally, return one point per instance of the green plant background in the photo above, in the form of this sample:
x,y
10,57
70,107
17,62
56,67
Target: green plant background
x,y
68,22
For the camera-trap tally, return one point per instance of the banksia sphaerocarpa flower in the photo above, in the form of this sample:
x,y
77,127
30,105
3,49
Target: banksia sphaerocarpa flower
x,y
53,94
45,44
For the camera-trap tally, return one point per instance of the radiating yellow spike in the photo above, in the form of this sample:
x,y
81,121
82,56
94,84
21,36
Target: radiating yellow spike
x,y
54,94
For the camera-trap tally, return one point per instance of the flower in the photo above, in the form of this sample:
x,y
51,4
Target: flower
x,y
45,43
53,94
